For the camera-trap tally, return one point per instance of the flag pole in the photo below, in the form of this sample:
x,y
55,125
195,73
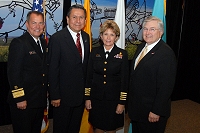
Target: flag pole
x,y
44,13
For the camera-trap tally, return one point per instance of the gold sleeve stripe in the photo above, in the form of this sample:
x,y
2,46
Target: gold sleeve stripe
x,y
19,93
123,96
17,90
87,91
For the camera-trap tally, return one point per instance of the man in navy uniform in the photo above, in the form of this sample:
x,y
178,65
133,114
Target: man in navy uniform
x,y
27,70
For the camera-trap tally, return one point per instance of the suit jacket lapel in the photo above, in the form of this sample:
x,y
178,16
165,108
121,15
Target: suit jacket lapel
x,y
139,49
71,43
33,44
101,52
112,53
150,54
86,44
44,46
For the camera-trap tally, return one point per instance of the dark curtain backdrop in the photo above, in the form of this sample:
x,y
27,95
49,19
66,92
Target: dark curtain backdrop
x,y
4,87
182,35
66,5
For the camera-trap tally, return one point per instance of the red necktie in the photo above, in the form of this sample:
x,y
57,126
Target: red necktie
x,y
78,44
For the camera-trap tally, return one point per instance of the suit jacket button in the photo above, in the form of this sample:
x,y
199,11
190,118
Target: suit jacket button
x,y
104,82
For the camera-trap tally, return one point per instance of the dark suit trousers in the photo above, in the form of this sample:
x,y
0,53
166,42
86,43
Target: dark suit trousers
x,y
149,127
28,120
67,119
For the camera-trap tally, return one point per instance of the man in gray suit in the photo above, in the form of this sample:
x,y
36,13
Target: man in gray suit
x,y
152,80
67,72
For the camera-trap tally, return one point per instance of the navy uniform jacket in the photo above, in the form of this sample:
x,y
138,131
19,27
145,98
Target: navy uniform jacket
x,y
107,78
152,82
27,71
67,72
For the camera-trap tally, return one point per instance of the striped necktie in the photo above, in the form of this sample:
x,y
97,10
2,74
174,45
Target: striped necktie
x,y
78,44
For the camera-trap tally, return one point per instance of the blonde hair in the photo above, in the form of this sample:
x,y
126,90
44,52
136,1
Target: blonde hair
x,y
110,24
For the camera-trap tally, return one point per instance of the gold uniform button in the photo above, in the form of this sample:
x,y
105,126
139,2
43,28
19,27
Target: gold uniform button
x,y
105,62
104,82
104,76
104,69
43,75
43,84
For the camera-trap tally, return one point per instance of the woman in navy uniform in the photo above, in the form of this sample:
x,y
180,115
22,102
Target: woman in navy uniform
x,y
107,81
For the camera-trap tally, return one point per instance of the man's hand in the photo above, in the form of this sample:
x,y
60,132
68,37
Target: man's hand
x,y
153,117
120,109
88,104
55,103
22,105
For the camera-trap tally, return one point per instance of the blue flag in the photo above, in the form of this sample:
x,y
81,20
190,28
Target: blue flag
x,y
37,5
130,128
159,11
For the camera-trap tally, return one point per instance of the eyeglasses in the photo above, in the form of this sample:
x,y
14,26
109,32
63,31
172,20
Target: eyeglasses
x,y
150,30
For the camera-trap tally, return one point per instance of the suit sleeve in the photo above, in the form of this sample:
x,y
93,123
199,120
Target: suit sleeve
x,y
53,61
124,78
15,70
89,77
165,83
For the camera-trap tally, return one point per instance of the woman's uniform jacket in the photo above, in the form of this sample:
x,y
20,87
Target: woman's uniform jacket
x,y
107,78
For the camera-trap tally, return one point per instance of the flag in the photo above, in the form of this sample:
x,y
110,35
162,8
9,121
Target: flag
x,y
87,27
85,125
39,5
120,20
159,10
130,128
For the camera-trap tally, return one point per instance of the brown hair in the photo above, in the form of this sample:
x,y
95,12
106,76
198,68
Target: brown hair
x,y
76,6
34,12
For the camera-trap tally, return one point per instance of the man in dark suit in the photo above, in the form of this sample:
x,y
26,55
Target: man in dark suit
x,y
152,80
27,68
67,72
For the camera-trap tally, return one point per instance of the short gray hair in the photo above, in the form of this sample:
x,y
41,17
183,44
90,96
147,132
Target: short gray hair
x,y
153,18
